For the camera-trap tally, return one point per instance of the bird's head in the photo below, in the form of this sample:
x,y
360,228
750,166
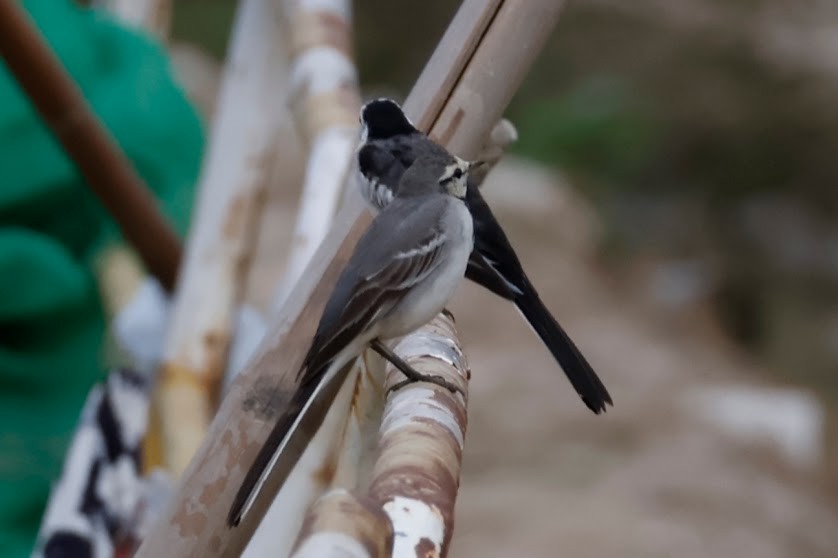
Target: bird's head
x,y
437,173
382,119
454,177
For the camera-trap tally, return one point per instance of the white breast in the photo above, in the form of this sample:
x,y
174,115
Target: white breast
x,y
377,195
426,301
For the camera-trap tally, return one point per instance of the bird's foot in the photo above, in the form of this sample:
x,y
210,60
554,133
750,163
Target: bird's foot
x,y
410,372
415,376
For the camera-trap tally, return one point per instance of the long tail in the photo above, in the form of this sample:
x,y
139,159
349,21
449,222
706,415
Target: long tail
x,y
288,439
583,378
494,265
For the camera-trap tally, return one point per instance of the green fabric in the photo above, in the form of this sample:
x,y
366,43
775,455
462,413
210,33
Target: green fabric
x,y
51,321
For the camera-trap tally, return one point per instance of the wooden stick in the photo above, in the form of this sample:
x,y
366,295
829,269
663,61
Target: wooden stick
x,y
232,190
104,166
195,524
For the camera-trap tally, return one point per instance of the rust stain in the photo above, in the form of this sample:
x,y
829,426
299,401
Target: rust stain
x,y
335,32
243,262
228,444
375,523
359,517
190,523
152,451
326,474
212,491
215,340
215,344
236,217
173,374
426,548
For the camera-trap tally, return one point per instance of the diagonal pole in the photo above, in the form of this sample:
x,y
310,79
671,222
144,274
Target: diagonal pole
x,y
106,169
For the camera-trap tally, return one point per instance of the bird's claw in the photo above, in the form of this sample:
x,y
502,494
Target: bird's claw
x,y
431,379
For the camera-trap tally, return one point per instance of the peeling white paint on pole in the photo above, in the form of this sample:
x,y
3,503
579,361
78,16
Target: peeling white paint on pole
x,y
417,473
419,404
232,186
324,100
419,525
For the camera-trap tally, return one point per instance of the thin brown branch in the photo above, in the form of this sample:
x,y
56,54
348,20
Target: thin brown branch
x,y
106,169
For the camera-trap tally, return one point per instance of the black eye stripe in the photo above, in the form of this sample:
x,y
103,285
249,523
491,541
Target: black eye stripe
x,y
457,174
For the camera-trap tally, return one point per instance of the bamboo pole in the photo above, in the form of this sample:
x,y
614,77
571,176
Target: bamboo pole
x,y
324,100
231,191
87,142
195,524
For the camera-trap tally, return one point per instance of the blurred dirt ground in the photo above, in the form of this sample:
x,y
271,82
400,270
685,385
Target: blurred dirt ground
x,y
544,477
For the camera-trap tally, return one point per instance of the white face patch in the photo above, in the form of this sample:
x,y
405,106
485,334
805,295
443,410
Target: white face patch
x,y
454,178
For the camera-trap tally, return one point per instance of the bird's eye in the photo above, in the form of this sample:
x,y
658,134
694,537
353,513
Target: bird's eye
x,y
458,173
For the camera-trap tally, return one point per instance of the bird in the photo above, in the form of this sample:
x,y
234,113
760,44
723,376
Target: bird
x,y
400,275
389,145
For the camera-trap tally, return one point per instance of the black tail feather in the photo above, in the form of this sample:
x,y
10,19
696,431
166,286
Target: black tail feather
x,y
298,439
495,266
583,378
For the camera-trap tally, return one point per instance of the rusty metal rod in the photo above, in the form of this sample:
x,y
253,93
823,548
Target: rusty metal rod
x,y
106,169
342,524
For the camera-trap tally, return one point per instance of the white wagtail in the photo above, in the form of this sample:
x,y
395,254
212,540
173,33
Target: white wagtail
x,y
403,271
390,144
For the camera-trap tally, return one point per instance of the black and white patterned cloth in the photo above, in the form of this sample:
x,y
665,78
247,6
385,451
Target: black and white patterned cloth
x,y
102,505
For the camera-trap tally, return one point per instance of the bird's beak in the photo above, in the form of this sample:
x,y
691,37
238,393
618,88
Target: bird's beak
x,y
475,164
